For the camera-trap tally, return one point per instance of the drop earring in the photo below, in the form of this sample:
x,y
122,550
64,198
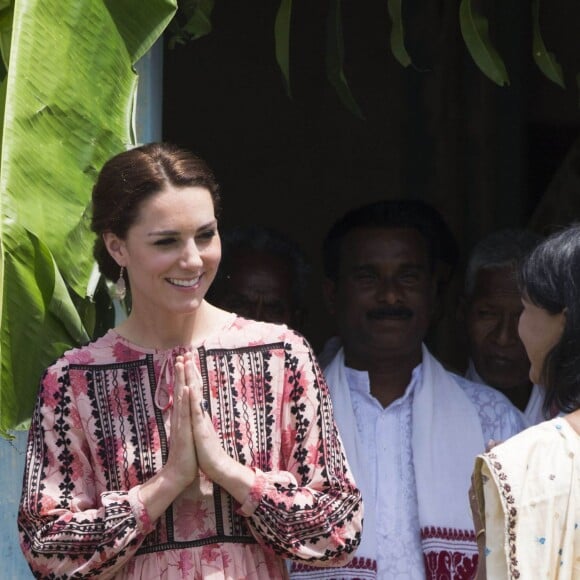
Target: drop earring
x,y
120,287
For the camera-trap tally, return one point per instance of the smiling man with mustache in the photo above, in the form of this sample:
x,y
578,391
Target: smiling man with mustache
x,y
411,429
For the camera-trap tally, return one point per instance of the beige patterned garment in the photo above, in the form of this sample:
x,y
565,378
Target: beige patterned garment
x,y
528,489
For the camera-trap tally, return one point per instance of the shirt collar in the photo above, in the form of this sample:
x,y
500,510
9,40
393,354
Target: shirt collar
x,y
359,381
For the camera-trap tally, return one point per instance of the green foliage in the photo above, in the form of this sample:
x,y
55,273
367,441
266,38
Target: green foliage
x,y
397,33
282,40
68,106
192,21
545,60
139,24
475,31
335,58
38,320
6,16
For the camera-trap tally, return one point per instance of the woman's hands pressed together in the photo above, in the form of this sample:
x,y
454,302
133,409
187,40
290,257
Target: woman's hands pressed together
x,y
182,467
209,453
212,459
194,445
182,460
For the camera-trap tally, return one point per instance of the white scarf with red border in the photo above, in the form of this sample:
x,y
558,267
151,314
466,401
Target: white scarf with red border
x,y
447,437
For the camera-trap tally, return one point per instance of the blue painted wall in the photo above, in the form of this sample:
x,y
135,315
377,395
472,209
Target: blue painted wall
x,y
13,565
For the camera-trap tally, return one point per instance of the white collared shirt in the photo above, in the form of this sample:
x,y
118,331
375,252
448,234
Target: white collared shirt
x,y
534,409
386,434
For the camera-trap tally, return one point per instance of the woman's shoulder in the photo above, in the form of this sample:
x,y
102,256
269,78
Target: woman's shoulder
x,y
545,433
107,349
534,468
543,447
246,332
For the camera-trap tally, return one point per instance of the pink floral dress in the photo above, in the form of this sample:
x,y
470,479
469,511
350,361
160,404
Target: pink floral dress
x,y
101,427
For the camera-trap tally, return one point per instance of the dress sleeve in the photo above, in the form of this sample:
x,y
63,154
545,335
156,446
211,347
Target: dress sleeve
x,y
66,528
312,511
493,519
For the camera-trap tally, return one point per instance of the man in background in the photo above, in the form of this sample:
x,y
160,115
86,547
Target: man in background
x,y
411,429
263,276
490,310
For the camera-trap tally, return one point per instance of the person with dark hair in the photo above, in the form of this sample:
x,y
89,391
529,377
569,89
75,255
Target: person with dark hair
x,y
490,311
186,442
526,494
443,251
415,214
263,275
411,429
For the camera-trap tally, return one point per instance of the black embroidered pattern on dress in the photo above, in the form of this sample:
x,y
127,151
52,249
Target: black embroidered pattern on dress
x,y
121,432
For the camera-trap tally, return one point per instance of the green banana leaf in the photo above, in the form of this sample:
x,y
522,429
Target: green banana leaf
x,y
68,106
282,41
335,58
192,21
140,23
398,48
475,31
6,16
545,60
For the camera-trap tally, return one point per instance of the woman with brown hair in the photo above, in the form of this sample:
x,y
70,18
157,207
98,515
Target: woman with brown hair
x,y
187,442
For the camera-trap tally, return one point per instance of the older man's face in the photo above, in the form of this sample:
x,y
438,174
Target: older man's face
x,y
491,316
259,286
383,297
